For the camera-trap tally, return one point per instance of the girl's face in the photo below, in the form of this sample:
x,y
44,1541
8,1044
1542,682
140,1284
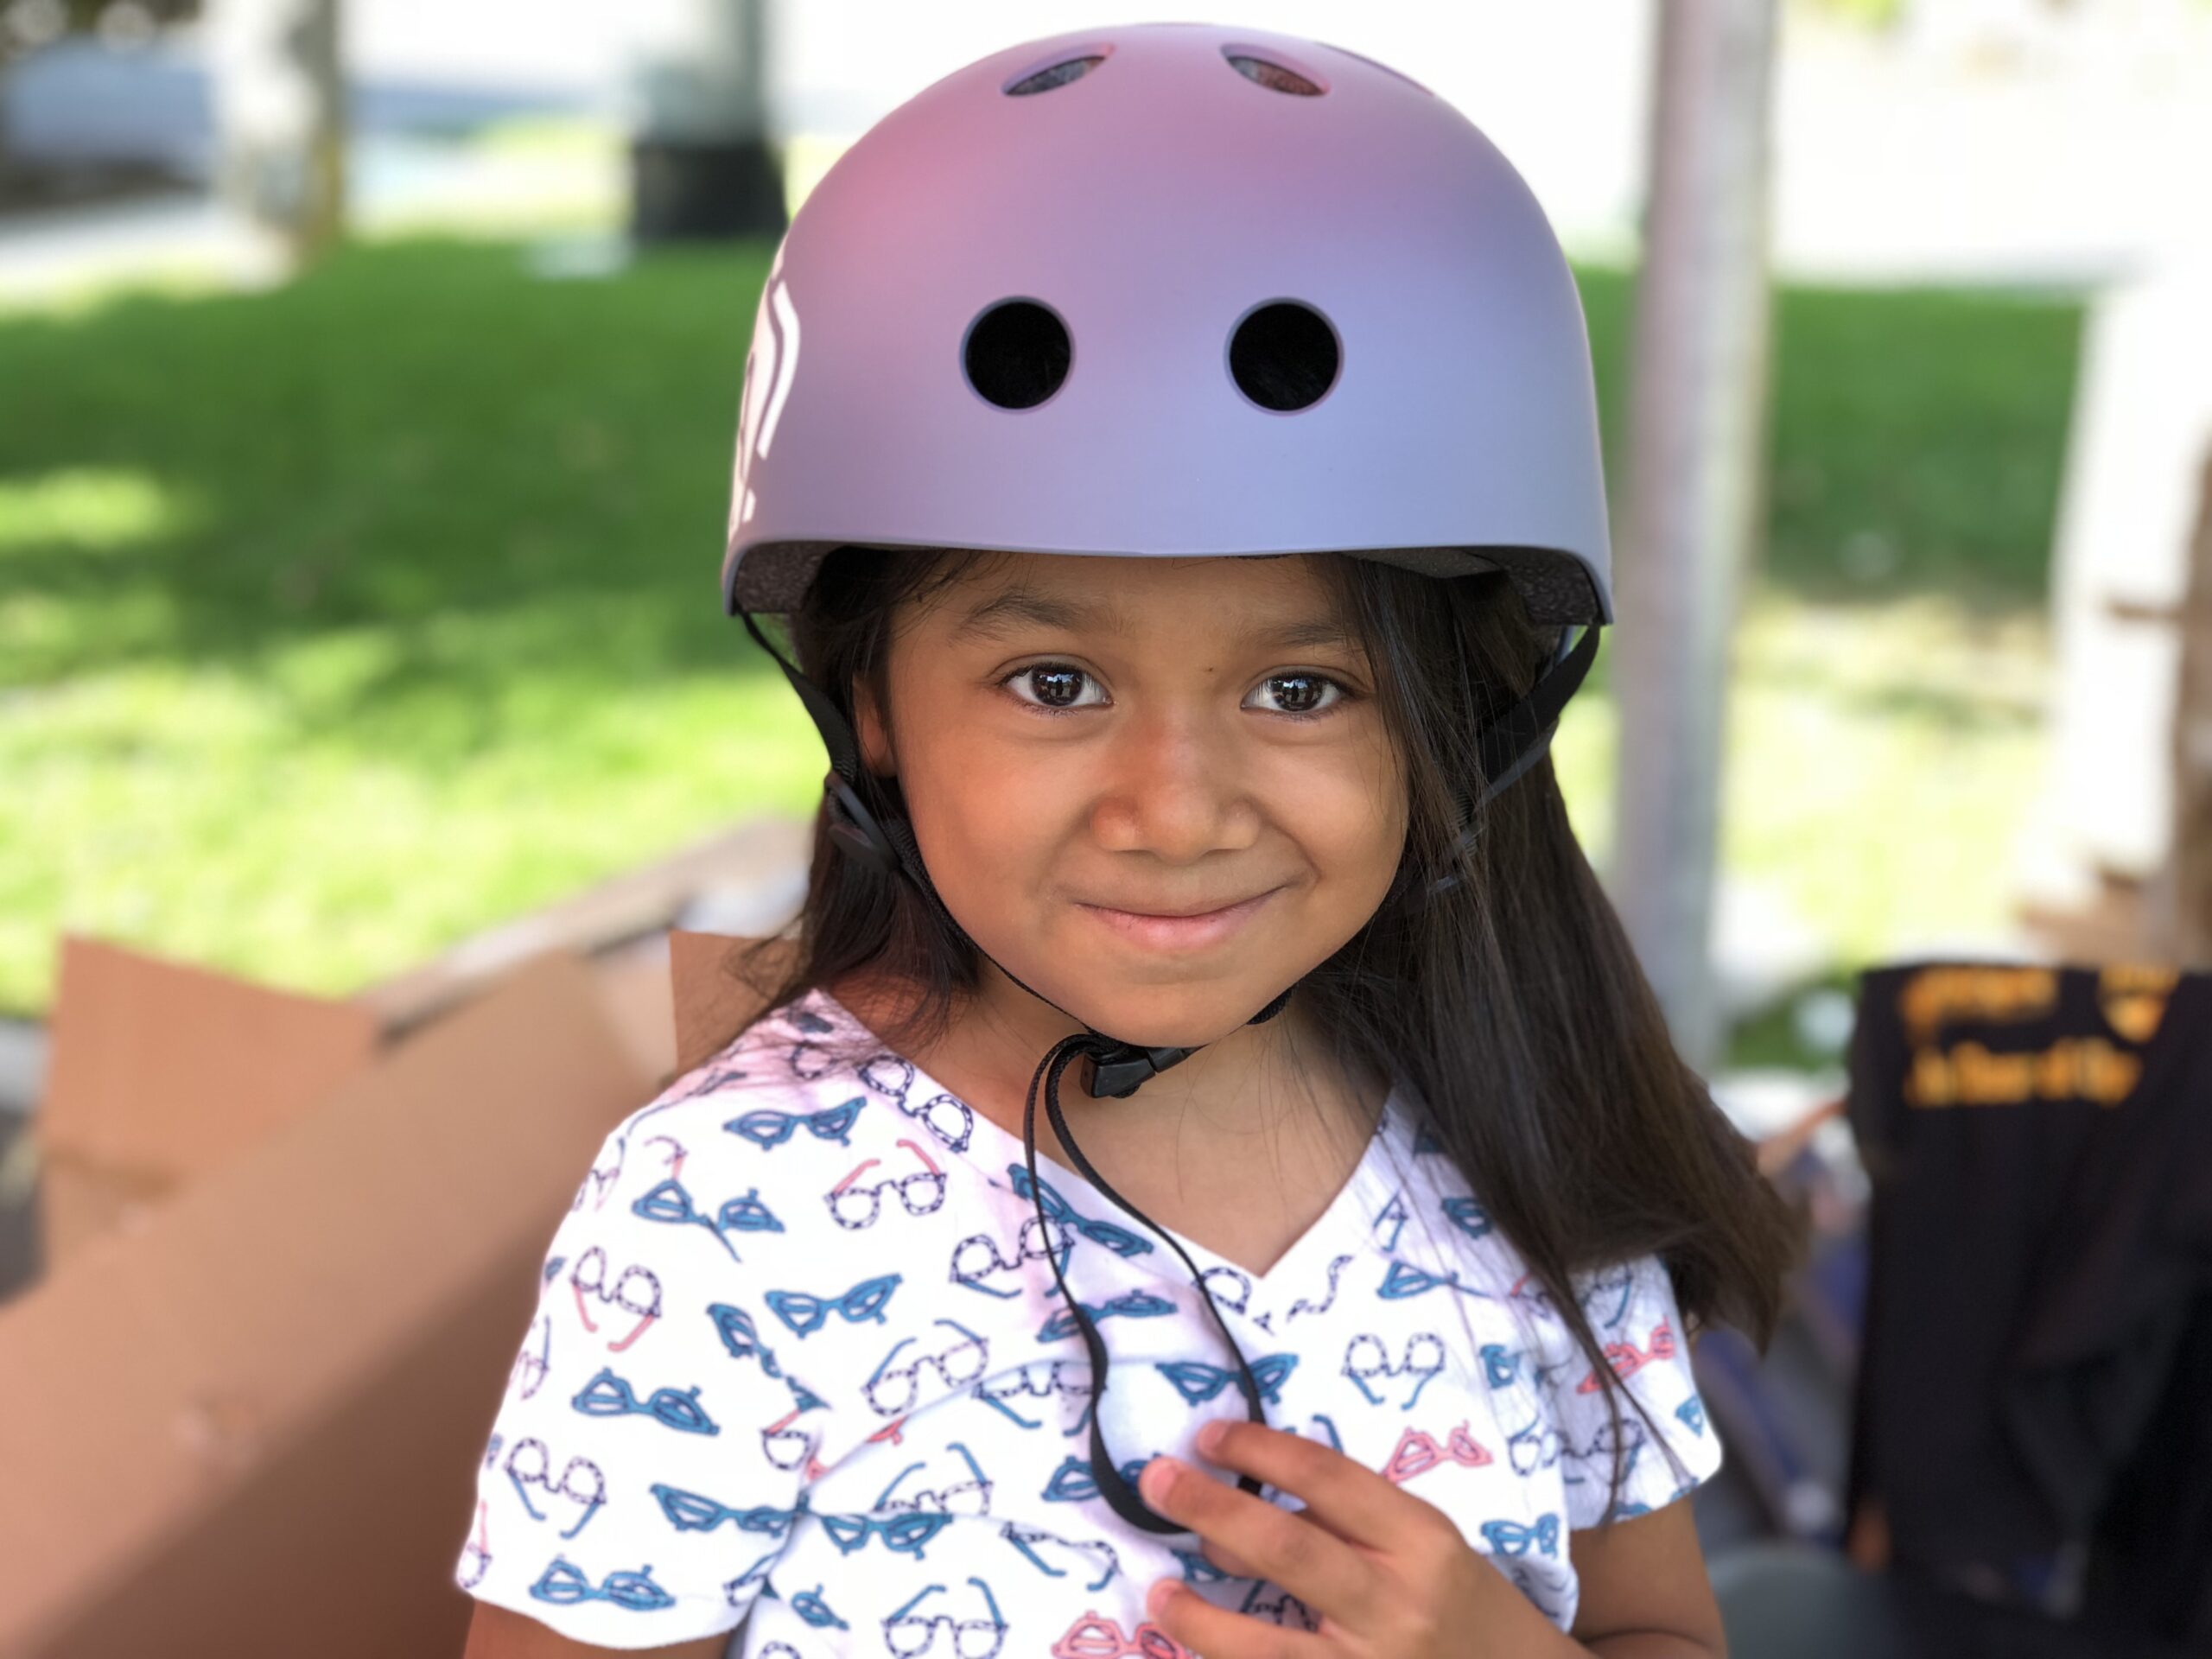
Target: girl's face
x,y
1079,738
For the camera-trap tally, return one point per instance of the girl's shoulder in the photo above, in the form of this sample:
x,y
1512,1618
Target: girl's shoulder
x,y
789,1096
794,1057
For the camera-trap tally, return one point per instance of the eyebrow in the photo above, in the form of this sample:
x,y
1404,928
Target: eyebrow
x,y
1002,612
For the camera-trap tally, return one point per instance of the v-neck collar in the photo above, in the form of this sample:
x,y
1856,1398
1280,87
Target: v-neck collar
x,y
1370,1197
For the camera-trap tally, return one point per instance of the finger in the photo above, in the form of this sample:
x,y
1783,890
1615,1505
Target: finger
x,y
1200,1627
1346,1499
1322,1570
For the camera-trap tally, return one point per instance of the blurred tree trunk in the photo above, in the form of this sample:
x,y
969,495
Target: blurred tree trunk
x,y
280,105
1696,452
703,162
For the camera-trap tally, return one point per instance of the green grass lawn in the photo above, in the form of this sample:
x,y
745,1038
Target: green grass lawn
x,y
340,621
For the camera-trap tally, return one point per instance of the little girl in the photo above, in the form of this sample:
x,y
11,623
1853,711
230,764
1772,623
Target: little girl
x,y
1173,451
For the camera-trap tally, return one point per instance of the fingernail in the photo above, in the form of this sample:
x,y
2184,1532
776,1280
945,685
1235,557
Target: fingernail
x,y
1159,1475
1210,1434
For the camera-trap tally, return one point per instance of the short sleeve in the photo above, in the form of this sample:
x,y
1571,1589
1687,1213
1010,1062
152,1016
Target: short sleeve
x,y
1634,1315
649,1452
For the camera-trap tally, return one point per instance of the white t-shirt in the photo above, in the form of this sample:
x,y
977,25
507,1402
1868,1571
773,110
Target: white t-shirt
x,y
799,1355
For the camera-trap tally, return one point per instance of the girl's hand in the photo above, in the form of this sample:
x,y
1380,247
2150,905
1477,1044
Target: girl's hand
x,y
1387,1573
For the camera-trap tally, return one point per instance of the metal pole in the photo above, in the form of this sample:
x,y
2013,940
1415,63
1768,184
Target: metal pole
x,y
1695,489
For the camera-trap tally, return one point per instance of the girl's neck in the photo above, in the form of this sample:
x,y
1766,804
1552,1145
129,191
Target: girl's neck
x,y
1260,1096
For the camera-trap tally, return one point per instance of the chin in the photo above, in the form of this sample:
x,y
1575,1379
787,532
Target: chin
x,y
1167,1016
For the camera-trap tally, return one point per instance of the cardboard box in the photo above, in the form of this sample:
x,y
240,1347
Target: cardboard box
x,y
163,1072
291,1248
250,1426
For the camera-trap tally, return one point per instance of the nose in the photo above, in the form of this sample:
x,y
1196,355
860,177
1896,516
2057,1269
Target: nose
x,y
1174,783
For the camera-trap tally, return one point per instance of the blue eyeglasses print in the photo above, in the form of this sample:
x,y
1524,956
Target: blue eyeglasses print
x,y
1469,1216
903,1534
1535,1447
1501,1364
609,1395
1619,1283
581,1481
892,1389
696,1512
1131,1305
1692,1411
1198,1382
1337,1265
1120,1240
1404,1279
1510,1538
810,1061
734,1592
637,1291
529,1373
920,1192
476,1553
806,1314
1069,1378
788,1447
739,1334
1074,1483
1631,1438
910,1635
768,1128
563,1582
810,1606
976,1257
1365,1357
1023,1537
970,1497
1396,1215
669,1202
889,1075
1328,1424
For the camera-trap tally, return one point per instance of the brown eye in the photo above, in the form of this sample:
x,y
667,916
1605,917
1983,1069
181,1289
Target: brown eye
x,y
1301,694
1051,686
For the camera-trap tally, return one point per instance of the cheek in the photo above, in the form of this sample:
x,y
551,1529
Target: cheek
x,y
979,815
1355,832
1347,804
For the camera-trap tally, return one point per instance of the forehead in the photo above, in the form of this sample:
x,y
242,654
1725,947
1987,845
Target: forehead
x,y
1279,598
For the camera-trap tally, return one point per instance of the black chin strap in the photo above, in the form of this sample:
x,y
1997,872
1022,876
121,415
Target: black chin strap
x,y
1512,741
1117,1489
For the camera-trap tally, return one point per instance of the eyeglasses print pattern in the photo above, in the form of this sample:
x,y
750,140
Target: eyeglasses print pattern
x,y
1365,1354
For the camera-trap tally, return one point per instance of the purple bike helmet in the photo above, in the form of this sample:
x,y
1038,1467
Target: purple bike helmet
x,y
1166,290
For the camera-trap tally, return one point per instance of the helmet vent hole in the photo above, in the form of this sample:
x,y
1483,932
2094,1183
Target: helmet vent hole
x,y
1017,354
1276,77
1058,75
1284,356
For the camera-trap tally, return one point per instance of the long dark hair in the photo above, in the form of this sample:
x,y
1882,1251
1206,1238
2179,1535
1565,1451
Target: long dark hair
x,y
1511,1007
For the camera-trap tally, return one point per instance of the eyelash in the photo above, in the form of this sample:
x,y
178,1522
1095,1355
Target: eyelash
x,y
1346,694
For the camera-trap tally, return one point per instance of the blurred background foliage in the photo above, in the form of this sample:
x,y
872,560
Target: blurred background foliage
x,y
341,620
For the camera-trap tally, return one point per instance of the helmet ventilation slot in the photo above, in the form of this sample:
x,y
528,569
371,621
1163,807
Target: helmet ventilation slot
x,y
1017,353
1276,77
1284,356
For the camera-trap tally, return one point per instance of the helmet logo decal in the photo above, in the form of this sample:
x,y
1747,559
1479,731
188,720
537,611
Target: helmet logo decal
x,y
769,367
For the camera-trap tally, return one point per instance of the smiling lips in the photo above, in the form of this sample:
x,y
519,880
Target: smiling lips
x,y
1174,932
